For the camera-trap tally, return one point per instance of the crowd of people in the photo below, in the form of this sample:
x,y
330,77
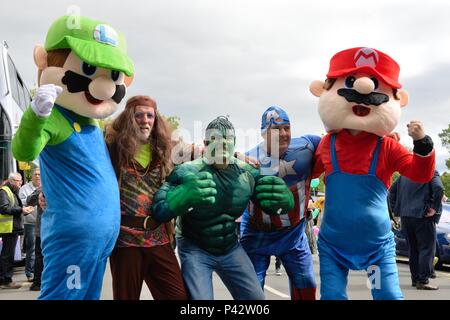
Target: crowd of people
x,y
131,194
204,198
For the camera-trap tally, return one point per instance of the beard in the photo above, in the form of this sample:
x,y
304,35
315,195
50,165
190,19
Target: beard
x,y
143,135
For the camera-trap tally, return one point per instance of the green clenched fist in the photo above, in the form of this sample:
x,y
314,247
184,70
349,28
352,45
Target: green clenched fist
x,y
273,195
195,190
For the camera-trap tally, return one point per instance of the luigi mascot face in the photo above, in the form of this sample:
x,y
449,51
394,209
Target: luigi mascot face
x,y
83,72
89,63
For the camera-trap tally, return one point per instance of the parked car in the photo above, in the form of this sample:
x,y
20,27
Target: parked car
x,y
442,243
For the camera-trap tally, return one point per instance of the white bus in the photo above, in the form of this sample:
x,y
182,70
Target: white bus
x,y
14,99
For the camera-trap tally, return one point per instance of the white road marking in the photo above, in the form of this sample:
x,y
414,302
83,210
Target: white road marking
x,y
276,292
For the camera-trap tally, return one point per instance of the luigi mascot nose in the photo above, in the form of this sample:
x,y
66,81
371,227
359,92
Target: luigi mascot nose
x,y
83,73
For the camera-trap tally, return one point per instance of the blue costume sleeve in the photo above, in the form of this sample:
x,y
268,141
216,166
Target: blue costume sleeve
x,y
314,139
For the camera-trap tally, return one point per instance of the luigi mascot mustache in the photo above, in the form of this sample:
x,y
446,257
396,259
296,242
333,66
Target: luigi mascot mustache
x,y
77,83
83,72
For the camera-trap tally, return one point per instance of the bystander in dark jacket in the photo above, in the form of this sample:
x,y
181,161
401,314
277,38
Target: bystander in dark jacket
x,y
419,207
11,211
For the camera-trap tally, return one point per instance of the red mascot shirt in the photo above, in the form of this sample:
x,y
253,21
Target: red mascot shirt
x,y
354,154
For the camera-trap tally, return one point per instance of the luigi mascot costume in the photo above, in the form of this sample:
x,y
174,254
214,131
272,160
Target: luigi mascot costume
x,y
83,72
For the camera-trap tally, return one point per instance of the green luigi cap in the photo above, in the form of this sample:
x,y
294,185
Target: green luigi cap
x,y
93,41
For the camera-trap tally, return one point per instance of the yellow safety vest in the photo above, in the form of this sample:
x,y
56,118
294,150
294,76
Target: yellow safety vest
x,y
6,220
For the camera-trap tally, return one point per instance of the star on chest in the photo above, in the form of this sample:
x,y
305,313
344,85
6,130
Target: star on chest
x,y
286,168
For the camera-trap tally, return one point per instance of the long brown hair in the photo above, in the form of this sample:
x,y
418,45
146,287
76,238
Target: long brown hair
x,y
124,130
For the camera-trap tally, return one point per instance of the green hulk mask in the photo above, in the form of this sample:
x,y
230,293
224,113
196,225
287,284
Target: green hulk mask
x,y
220,141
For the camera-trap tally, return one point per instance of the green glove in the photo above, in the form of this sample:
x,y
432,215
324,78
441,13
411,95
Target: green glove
x,y
195,190
273,195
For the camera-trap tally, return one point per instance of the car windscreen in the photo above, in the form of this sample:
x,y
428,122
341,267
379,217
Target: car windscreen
x,y
445,215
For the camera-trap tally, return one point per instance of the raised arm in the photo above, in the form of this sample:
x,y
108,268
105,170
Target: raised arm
x,y
36,124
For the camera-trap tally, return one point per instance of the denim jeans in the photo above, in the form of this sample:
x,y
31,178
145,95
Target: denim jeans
x,y
29,249
234,268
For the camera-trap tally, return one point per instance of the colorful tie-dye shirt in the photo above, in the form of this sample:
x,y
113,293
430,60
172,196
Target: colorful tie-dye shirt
x,y
137,187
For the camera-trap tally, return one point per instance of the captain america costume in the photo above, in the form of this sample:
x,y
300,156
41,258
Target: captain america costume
x,y
264,235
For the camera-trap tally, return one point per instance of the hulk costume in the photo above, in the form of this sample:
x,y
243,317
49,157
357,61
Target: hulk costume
x,y
211,227
208,198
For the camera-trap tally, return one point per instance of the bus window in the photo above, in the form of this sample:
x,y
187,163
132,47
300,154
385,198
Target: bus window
x,y
5,146
23,97
16,85
13,81
27,96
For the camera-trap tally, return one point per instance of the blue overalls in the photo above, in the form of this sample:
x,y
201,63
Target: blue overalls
x,y
356,233
82,220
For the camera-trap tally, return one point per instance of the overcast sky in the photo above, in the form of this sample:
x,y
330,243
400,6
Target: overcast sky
x,y
203,58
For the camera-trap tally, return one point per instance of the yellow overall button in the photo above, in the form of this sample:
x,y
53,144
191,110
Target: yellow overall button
x,y
76,126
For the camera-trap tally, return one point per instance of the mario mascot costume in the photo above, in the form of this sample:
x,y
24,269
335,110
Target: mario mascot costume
x,y
83,73
359,104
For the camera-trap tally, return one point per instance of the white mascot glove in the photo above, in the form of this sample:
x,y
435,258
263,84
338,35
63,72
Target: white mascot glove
x,y
44,99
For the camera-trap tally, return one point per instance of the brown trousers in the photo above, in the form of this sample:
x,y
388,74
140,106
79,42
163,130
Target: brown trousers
x,y
157,266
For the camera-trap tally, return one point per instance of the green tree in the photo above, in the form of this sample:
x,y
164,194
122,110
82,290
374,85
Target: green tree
x,y
445,178
445,139
174,121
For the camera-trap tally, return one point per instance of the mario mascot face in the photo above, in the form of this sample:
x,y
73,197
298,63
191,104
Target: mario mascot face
x,y
361,92
89,61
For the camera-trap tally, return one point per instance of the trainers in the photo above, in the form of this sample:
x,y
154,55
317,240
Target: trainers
x,y
11,285
278,272
35,287
425,286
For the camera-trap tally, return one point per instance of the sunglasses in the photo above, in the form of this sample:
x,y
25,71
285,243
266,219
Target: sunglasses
x,y
140,115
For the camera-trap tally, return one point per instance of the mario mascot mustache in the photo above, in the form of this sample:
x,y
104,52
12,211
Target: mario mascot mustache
x,y
374,98
77,83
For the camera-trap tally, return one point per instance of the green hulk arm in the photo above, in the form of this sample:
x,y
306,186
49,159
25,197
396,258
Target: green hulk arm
x,y
36,132
270,193
273,195
184,189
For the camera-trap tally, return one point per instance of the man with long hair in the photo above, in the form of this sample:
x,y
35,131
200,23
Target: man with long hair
x,y
139,141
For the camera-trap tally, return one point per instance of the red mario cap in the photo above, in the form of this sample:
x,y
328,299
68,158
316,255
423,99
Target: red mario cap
x,y
365,60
